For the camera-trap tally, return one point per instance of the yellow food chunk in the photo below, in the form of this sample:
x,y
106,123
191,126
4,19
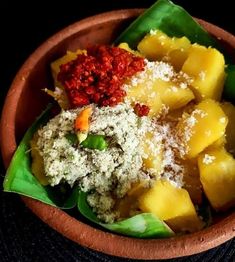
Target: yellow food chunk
x,y
172,95
217,174
59,93
171,204
153,154
202,127
37,165
156,45
55,66
218,143
206,67
229,110
177,58
146,95
126,47
158,92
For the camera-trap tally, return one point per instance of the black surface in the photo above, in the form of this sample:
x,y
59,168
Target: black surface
x,y
24,26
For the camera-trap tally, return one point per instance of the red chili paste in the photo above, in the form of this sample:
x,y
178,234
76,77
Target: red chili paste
x,y
98,76
141,110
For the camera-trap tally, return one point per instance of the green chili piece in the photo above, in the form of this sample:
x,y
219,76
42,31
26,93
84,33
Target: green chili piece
x,y
95,142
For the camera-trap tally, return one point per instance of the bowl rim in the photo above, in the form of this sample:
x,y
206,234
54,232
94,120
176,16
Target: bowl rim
x,y
82,233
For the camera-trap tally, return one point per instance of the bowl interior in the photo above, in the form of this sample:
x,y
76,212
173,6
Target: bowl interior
x,y
25,101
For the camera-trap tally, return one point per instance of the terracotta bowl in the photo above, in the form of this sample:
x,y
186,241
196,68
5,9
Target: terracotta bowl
x,y
25,101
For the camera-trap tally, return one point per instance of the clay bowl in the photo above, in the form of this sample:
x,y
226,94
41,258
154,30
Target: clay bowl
x,y
24,102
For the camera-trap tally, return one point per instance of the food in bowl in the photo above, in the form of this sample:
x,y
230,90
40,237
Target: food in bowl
x,y
151,141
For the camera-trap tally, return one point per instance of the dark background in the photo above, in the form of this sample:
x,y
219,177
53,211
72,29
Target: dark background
x,y
24,26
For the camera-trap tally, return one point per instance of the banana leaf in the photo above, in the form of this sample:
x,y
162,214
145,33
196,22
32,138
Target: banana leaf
x,y
145,225
169,18
19,178
175,21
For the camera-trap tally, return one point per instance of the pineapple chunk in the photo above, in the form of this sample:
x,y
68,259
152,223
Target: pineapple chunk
x,y
55,66
159,87
153,154
206,67
59,93
146,95
157,93
229,110
126,47
176,58
217,174
202,127
156,45
218,143
172,95
37,165
171,204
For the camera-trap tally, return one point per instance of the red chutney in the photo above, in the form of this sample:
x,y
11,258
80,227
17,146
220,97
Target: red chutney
x,y
98,76
141,110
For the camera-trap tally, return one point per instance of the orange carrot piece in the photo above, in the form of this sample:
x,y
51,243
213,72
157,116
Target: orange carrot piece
x,y
82,121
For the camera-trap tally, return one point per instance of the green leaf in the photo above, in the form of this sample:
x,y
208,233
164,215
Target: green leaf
x,y
169,18
19,178
145,225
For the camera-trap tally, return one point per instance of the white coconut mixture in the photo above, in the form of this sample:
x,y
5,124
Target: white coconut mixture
x,y
107,174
